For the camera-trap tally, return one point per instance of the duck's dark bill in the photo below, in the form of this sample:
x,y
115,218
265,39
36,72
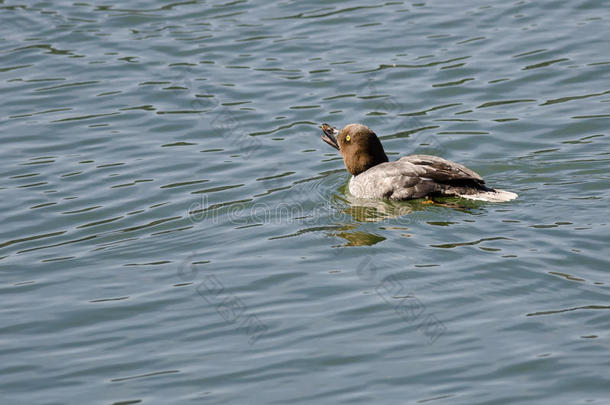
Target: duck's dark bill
x,y
330,135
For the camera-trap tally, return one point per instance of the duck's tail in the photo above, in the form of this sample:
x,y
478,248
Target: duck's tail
x,y
491,195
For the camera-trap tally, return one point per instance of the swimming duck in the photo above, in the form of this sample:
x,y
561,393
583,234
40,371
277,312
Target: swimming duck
x,y
414,176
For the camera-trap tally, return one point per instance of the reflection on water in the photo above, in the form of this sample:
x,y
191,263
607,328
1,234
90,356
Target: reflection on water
x,y
366,210
358,238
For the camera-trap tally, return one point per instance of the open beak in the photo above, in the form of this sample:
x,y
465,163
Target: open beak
x,y
330,135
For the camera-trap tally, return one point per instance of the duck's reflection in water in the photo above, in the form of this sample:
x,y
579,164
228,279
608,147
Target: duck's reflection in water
x,y
358,238
398,214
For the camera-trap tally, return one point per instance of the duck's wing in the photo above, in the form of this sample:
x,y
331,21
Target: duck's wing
x,y
415,176
440,170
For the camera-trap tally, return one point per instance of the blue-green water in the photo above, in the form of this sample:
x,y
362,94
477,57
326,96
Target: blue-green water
x,y
175,231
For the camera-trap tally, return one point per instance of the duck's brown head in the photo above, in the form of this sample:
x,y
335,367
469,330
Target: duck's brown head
x,y
358,144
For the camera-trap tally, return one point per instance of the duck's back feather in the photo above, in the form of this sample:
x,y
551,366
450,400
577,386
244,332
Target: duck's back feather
x,y
418,176
440,169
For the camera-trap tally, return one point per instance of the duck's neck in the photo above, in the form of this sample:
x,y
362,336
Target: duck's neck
x,y
361,162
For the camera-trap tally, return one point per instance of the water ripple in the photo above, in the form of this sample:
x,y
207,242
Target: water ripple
x,y
150,147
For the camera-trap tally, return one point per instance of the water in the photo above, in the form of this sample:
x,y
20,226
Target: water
x,y
175,231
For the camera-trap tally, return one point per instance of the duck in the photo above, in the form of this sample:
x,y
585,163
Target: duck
x,y
409,177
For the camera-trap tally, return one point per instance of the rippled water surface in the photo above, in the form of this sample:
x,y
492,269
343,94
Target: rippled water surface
x,y
175,231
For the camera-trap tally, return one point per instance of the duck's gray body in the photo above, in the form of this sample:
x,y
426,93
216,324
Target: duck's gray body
x,y
419,176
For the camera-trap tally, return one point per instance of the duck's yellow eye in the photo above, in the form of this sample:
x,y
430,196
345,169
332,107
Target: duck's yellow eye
x,y
347,138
